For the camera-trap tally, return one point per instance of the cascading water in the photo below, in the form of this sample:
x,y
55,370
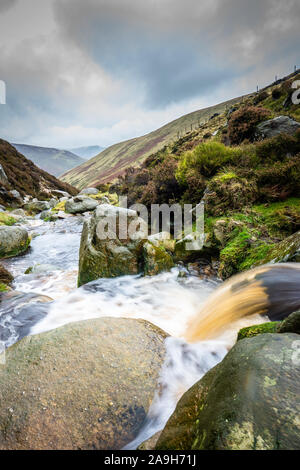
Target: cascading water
x,y
168,300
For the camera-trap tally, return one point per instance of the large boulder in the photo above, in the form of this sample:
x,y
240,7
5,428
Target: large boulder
x,y
80,204
13,241
92,191
110,256
276,126
37,206
87,385
248,401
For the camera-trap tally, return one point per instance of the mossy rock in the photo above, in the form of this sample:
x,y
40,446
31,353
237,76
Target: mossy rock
x,y
283,251
291,324
156,259
109,256
247,402
250,331
6,219
13,241
86,385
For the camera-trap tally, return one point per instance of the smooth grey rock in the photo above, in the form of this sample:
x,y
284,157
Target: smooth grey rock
x,y
278,125
86,385
93,191
80,204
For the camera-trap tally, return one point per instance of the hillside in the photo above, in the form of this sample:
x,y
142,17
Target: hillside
x,y
52,160
114,160
247,174
87,152
25,177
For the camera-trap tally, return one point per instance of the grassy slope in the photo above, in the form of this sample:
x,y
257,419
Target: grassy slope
x,y
113,161
52,160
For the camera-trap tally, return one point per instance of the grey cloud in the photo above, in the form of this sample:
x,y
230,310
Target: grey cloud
x,y
178,49
7,5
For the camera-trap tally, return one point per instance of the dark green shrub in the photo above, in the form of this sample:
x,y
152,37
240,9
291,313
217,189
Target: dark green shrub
x,y
205,159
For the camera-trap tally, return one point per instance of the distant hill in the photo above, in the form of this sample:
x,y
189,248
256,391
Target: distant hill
x,y
24,176
113,161
87,152
54,161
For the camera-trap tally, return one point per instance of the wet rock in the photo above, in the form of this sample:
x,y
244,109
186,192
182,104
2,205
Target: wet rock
x,y
13,241
276,126
291,324
86,385
249,401
110,254
5,276
156,258
150,443
191,246
80,204
41,268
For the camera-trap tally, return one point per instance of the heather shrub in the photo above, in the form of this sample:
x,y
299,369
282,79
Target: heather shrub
x,y
243,122
276,148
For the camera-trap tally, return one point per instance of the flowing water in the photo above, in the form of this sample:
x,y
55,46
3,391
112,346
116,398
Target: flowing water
x,y
170,300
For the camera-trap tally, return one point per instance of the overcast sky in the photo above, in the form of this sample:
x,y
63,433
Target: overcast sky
x,y
84,72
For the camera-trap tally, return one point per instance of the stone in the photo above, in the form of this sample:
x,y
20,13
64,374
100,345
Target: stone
x,y
87,385
58,193
80,204
93,191
36,206
247,402
110,256
291,324
13,241
156,259
276,126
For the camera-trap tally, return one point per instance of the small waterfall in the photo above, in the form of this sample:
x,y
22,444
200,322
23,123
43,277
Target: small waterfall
x,y
271,290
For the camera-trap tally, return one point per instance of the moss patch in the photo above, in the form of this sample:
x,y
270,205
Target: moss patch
x,y
250,331
6,219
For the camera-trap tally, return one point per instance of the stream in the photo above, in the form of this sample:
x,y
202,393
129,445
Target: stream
x,y
168,300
